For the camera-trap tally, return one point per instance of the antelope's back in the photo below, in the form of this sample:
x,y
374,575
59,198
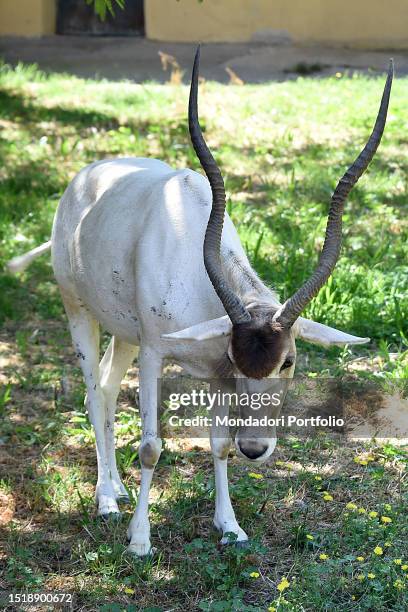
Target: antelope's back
x,y
127,239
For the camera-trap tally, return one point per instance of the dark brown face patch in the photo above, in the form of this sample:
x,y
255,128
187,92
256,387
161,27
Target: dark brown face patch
x,y
258,346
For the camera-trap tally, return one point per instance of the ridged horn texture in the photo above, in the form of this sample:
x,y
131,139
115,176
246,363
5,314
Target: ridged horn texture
x,y
212,241
292,308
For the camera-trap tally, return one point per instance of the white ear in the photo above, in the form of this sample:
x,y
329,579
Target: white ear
x,y
324,335
203,331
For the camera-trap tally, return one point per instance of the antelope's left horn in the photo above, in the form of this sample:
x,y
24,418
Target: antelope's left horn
x,y
292,308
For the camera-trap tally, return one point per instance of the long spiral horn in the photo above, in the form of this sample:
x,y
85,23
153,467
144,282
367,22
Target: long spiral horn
x,y
292,308
212,241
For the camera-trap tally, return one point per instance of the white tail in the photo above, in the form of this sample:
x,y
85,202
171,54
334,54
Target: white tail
x,y
20,263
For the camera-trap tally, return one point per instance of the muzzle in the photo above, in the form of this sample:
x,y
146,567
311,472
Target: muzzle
x,y
256,450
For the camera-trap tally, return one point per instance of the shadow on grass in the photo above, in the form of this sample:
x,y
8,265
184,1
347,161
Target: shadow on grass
x,y
16,107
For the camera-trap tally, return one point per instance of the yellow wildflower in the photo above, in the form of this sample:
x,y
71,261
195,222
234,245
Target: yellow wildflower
x,y
378,550
399,584
309,537
254,574
338,75
360,461
254,475
371,576
318,478
284,583
271,609
387,507
129,591
323,557
351,506
373,514
386,519
387,544
398,561
404,567
360,577
353,597
360,558
327,496
362,510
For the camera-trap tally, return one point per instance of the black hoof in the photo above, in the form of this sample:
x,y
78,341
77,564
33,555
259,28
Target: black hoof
x,y
241,544
111,516
123,499
147,557
244,544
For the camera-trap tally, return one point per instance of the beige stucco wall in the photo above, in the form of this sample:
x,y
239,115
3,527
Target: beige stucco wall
x,y
368,23
360,23
27,17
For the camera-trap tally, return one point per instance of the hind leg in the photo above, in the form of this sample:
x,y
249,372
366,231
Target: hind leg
x,y
85,338
113,367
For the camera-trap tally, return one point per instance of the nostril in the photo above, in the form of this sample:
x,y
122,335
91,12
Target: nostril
x,y
253,450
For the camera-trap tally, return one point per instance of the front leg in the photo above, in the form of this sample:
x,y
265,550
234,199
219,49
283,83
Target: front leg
x,y
224,518
149,451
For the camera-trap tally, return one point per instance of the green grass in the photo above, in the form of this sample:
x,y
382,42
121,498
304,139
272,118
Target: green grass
x,y
282,147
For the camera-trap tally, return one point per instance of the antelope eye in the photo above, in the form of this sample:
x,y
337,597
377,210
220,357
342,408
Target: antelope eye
x,y
288,363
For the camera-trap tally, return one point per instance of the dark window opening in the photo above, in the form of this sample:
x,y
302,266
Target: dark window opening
x,y
76,17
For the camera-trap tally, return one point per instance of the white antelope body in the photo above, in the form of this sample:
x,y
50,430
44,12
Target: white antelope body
x,y
127,254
